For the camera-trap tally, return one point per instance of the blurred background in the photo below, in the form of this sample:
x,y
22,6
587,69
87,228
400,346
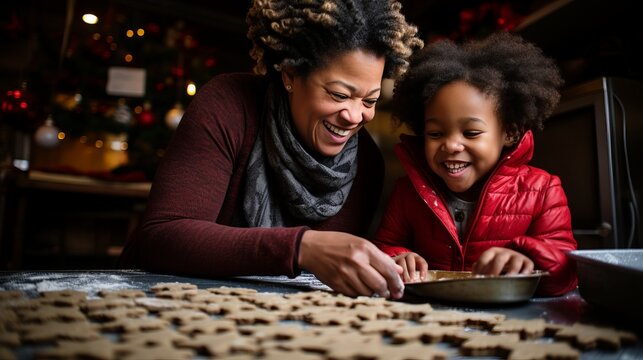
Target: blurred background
x,y
91,92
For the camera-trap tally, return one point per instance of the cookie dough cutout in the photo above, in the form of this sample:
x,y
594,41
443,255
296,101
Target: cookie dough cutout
x,y
34,333
412,351
48,313
208,326
224,290
429,334
384,327
410,311
175,286
325,343
218,345
332,317
118,313
8,316
137,352
276,354
135,325
589,337
487,345
99,349
156,304
365,312
272,332
7,295
121,294
106,304
530,350
183,316
527,329
9,339
67,297
237,307
6,353
274,302
454,317
164,337
254,317
337,301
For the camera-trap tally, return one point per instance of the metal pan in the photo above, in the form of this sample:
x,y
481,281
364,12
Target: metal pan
x,y
464,287
611,279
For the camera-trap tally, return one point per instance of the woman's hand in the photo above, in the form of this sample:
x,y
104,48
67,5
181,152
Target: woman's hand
x,y
414,266
499,260
349,264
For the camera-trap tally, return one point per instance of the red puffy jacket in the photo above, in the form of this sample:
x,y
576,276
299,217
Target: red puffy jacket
x,y
520,207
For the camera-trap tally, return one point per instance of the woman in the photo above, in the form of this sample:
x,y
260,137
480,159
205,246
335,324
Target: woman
x,y
271,174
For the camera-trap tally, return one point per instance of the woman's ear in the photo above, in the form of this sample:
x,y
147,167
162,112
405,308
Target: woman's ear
x,y
287,77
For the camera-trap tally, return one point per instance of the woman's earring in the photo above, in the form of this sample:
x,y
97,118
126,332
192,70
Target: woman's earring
x,y
288,87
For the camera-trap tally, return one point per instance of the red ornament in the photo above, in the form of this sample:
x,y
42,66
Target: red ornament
x,y
146,117
153,28
177,71
14,102
17,108
210,62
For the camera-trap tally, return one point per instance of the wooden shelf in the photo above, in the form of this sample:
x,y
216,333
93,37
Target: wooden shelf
x,y
65,221
82,184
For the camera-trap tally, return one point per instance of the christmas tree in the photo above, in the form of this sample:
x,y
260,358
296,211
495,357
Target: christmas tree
x,y
116,87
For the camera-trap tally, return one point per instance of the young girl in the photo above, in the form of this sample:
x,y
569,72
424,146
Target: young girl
x,y
469,200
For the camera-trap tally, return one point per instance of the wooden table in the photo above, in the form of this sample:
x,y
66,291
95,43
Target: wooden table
x,y
566,309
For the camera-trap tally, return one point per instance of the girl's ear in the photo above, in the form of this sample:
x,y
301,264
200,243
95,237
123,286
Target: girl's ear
x,y
511,138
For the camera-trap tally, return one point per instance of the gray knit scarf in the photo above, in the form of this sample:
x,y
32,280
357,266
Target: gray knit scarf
x,y
284,182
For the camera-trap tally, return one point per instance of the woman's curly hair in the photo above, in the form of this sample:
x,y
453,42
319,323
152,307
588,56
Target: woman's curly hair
x,y
523,81
307,34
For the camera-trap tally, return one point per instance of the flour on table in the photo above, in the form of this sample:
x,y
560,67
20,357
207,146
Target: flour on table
x,y
307,280
88,282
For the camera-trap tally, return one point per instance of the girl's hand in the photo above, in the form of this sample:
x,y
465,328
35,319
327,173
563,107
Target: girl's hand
x,y
349,264
414,267
499,260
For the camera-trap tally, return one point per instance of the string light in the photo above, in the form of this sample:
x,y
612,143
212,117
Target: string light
x,y
174,116
90,19
191,88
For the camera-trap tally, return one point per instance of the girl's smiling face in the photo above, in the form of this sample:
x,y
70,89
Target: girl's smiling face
x,y
331,104
463,136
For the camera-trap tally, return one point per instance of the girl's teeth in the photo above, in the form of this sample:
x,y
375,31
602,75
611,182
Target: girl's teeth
x,y
455,167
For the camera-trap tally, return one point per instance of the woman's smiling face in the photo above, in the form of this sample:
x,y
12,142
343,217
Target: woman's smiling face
x,y
331,104
463,135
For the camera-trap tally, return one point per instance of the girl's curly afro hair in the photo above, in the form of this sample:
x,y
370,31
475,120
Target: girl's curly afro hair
x,y
523,81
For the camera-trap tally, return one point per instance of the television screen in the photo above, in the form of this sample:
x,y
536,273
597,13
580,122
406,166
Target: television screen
x,y
567,148
594,142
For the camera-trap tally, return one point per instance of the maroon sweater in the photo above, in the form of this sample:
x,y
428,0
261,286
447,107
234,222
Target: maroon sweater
x,y
198,191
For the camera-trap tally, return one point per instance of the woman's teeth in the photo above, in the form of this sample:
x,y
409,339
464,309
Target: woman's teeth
x,y
336,130
455,167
